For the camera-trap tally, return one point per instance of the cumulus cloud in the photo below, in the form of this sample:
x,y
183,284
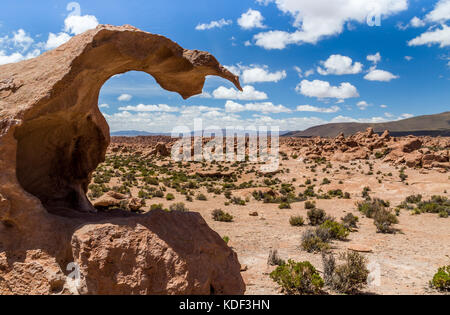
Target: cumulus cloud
x,y
150,108
16,56
77,24
213,24
380,75
265,107
362,105
56,40
251,19
257,74
316,20
22,39
376,58
416,22
339,65
124,98
323,89
440,13
249,93
326,110
103,106
440,36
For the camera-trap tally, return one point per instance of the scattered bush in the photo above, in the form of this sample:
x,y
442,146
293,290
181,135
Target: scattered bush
x,y
316,216
384,219
298,278
297,221
201,197
349,277
370,208
336,230
158,206
441,280
414,199
310,205
274,259
221,216
170,196
315,240
284,205
179,207
350,221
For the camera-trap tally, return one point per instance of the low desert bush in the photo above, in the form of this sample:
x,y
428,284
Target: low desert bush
x,y
316,240
350,221
298,278
384,219
284,205
349,277
310,205
336,230
179,207
369,208
274,259
316,216
201,197
441,280
297,221
170,196
221,216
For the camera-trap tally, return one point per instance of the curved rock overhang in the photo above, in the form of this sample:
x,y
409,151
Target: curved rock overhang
x,y
52,134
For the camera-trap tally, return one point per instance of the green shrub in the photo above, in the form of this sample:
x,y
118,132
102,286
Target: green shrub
x,y
297,221
310,205
314,241
350,221
298,278
158,194
226,239
274,259
201,197
369,208
179,207
337,231
221,216
316,216
414,199
349,277
384,219
170,196
284,205
441,280
158,206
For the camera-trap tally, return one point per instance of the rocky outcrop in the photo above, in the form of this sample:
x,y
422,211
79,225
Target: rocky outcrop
x,y
52,137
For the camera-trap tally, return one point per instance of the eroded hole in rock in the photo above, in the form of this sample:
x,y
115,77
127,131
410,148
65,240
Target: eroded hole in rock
x,y
55,156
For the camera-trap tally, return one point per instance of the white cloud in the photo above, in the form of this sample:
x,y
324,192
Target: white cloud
x,y
316,20
383,106
76,24
103,106
439,36
323,89
150,108
406,116
408,58
257,74
265,107
124,98
440,13
416,22
362,105
374,58
380,75
22,40
339,65
249,93
213,24
16,56
309,108
56,40
251,19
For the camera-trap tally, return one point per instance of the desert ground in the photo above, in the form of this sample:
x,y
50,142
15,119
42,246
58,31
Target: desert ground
x,y
335,174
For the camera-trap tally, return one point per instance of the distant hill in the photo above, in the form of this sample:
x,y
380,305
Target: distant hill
x,y
135,133
430,125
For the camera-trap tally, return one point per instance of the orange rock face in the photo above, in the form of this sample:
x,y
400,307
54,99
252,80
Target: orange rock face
x,y
52,136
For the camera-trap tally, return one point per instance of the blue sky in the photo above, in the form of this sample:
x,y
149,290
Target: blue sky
x,y
303,62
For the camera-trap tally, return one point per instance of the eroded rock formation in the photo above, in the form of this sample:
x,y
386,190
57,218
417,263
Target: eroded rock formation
x,y
52,136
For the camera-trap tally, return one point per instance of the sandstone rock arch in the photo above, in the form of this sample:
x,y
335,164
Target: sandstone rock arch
x,y
52,136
